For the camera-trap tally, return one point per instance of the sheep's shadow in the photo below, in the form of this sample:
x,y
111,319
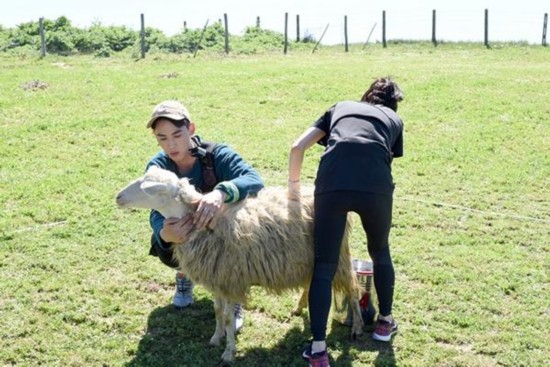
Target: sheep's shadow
x,y
180,338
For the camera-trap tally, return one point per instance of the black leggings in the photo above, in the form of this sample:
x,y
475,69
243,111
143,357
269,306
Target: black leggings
x,y
331,209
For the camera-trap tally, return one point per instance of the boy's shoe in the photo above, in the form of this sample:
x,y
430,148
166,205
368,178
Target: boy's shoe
x,y
316,359
384,330
239,318
184,292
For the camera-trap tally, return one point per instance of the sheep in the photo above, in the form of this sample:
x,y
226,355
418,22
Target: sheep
x,y
265,241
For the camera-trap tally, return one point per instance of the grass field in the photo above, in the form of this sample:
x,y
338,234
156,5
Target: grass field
x,y
471,234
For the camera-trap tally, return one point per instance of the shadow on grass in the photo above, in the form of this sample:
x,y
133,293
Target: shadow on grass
x,y
339,339
180,338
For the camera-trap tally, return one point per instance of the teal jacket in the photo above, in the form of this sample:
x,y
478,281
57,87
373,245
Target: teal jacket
x,y
234,176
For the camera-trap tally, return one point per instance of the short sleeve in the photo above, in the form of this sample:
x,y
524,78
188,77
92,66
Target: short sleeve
x,y
323,123
397,147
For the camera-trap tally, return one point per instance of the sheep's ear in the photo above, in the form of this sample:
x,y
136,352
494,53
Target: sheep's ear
x,y
155,188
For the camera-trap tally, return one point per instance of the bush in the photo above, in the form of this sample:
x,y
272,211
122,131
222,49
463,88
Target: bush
x,y
104,51
4,39
154,37
91,40
119,38
308,38
263,38
213,38
59,43
183,42
62,38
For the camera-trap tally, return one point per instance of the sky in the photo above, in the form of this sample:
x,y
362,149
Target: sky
x,y
509,20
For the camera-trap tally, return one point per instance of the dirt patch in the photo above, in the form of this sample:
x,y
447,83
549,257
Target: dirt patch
x,y
34,85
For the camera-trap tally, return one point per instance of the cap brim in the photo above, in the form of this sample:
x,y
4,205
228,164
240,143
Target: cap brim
x,y
170,116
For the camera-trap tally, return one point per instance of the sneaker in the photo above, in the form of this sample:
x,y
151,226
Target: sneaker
x,y
384,330
239,318
184,292
316,359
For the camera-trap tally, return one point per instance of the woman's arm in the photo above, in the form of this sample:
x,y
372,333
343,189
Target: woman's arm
x,y
297,150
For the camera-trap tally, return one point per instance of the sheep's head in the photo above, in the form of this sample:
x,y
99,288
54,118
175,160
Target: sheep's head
x,y
161,190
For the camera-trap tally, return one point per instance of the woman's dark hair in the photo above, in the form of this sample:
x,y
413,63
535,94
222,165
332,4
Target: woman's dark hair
x,y
177,123
384,91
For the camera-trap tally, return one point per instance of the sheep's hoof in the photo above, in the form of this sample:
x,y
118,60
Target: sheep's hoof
x,y
228,356
222,363
215,340
353,336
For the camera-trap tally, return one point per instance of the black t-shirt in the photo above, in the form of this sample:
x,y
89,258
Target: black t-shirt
x,y
361,140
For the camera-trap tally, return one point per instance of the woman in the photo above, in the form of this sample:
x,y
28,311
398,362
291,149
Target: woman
x,y
232,179
354,175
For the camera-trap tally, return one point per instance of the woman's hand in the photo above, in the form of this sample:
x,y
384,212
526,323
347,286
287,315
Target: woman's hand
x,y
209,208
176,230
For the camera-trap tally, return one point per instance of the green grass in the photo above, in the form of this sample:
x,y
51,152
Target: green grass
x,y
471,228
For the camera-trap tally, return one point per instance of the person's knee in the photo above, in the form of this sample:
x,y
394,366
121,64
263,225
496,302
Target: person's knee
x,y
166,256
381,256
324,271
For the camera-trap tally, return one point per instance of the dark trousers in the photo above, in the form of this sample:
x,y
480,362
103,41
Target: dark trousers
x,y
164,254
331,209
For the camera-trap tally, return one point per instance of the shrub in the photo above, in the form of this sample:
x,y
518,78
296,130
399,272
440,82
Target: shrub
x,y
119,38
308,38
4,39
263,38
91,40
59,43
213,38
104,51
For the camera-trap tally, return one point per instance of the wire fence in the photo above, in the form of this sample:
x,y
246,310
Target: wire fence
x,y
433,27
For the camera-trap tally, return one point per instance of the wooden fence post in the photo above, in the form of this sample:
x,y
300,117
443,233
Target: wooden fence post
x,y
286,34
297,28
346,32
142,36
226,34
320,39
384,28
257,22
370,34
434,40
486,39
200,39
544,27
42,37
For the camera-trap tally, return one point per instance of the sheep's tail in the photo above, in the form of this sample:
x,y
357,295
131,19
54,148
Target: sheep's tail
x,y
345,280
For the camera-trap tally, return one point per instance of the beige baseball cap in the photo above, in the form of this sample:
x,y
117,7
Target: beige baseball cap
x,y
172,110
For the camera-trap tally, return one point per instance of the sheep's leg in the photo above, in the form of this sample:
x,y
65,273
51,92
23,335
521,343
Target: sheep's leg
x,y
302,303
219,306
229,324
357,319
352,290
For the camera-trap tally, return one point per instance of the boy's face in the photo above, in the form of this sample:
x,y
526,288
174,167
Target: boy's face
x,y
175,141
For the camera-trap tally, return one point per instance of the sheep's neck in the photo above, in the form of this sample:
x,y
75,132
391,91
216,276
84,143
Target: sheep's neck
x,y
178,210
173,212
